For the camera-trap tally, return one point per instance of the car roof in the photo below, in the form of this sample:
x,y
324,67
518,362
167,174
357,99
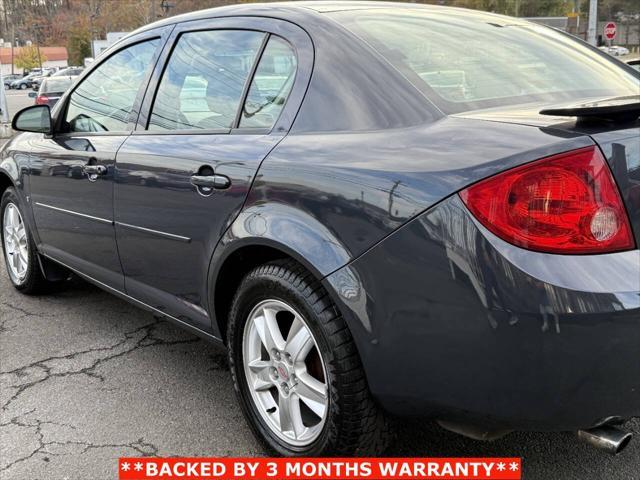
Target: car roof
x,y
302,11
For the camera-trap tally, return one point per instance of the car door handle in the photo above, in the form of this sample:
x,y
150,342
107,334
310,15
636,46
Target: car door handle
x,y
219,182
94,170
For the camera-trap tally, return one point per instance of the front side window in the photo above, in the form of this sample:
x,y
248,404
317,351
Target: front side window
x,y
203,83
104,100
270,86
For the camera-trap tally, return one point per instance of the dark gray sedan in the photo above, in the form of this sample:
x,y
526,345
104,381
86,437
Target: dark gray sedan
x,y
379,209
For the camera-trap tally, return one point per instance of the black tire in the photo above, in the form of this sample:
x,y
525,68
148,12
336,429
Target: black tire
x,y
23,86
354,425
34,281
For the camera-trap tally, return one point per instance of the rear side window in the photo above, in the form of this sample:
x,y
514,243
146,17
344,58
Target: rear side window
x,y
104,100
203,83
510,62
270,86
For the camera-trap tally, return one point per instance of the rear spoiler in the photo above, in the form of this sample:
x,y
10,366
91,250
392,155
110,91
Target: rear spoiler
x,y
617,109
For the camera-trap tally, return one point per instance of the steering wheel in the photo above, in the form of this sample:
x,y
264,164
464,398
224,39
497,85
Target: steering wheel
x,y
93,125
269,101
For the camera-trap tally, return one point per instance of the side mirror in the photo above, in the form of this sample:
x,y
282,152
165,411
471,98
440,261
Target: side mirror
x,y
33,94
36,119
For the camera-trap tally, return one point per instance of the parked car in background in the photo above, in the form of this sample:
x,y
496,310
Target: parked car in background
x,y
620,51
69,72
614,50
43,71
9,79
635,63
51,90
371,216
37,81
24,82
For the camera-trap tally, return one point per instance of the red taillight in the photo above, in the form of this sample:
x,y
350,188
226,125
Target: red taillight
x,y
567,203
42,100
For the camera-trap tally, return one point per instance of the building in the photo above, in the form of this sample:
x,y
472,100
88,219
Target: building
x,y
100,46
55,57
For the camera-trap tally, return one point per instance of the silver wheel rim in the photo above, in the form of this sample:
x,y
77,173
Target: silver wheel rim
x,y
16,246
286,376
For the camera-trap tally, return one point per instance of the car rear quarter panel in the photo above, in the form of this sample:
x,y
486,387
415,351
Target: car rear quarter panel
x,y
450,321
455,323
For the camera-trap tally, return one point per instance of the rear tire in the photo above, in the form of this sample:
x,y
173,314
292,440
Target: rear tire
x,y
353,424
20,253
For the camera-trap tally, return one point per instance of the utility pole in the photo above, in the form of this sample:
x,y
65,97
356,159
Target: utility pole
x,y
37,29
593,22
13,41
39,56
95,12
6,17
93,54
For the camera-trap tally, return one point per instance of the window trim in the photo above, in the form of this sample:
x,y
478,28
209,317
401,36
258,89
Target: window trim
x,y
245,88
249,81
297,38
61,114
237,126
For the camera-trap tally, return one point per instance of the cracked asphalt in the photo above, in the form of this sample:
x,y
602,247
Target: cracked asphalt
x,y
86,378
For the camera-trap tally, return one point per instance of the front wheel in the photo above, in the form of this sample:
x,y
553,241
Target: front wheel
x,y
19,248
296,369
23,86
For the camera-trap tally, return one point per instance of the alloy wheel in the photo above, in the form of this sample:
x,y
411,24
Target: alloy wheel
x,y
285,372
16,245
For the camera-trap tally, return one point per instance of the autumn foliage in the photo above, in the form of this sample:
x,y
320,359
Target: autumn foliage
x,y
29,57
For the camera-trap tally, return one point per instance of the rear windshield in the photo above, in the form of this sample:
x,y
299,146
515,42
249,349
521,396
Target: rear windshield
x,y
468,61
56,85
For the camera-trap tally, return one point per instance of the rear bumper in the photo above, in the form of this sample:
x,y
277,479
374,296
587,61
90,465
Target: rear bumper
x,y
452,322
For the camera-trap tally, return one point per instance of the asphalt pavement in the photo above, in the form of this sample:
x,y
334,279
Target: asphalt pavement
x,y
17,100
86,378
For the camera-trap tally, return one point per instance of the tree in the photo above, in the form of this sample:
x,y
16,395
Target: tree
x,y
78,45
28,58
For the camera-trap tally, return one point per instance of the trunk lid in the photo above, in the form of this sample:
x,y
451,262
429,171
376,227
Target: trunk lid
x,y
620,143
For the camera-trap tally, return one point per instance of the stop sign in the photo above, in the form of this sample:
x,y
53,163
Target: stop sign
x,y
610,31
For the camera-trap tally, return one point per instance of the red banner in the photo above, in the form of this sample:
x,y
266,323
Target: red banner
x,y
319,468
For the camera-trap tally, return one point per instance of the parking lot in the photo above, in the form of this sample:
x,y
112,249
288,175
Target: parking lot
x,y
86,378
17,100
